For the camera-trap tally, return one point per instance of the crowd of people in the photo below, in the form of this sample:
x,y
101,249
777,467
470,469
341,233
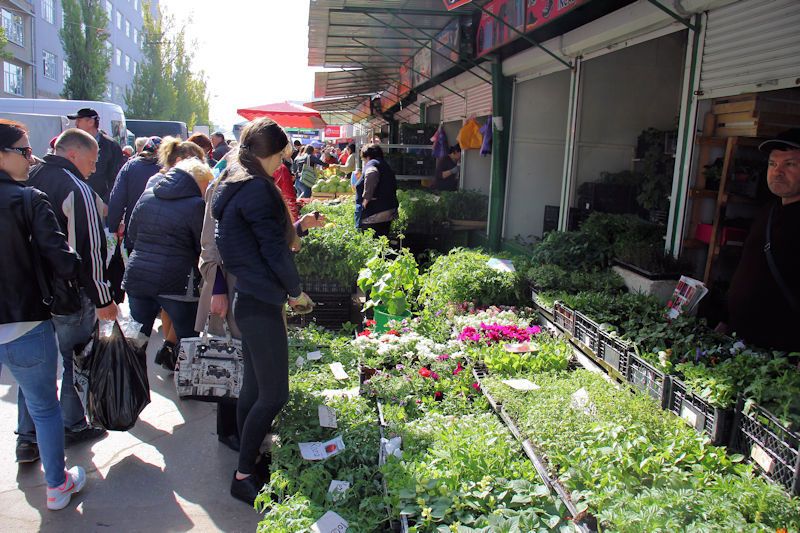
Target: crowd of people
x,y
208,230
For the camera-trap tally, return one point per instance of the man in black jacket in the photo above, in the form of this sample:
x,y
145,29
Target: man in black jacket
x,y
110,159
62,177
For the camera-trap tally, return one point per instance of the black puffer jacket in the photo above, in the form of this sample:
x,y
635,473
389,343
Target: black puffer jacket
x,y
251,238
164,231
22,299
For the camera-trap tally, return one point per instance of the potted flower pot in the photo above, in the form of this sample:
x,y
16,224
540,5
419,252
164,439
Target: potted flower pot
x,y
382,318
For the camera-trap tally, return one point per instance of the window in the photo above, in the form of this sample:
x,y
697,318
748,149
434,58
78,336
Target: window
x,y
49,65
14,27
134,65
127,28
119,20
118,93
109,9
135,36
119,57
48,11
136,5
13,79
109,50
67,71
127,63
109,90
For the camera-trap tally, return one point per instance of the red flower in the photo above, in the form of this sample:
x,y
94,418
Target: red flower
x,y
476,386
424,372
365,333
393,332
458,369
370,323
437,396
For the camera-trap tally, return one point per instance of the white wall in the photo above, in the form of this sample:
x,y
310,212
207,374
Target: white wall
x,y
476,170
538,134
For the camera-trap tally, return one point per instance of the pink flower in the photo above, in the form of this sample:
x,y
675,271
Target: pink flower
x,y
434,375
476,386
443,357
534,330
469,334
458,369
437,396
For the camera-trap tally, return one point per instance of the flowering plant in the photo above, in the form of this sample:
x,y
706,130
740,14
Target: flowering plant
x,y
495,333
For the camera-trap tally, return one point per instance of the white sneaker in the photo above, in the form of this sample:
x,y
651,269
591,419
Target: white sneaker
x,y
59,497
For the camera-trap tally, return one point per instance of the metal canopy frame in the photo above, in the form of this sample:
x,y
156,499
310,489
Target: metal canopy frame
x,y
683,20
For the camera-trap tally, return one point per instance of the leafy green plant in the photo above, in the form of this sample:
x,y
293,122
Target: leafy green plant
x,y
570,250
551,354
391,283
548,277
466,204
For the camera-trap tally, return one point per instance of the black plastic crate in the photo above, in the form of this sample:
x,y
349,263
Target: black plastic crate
x,y
642,376
587,332
773,449
419,165
395,161
564,317
321,286
699,414
331,311
614,352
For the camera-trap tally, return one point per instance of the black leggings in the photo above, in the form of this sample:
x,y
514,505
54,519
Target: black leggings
x,y
265,387
381,228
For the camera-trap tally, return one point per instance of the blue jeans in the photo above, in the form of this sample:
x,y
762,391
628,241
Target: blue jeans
x,y
303,190
33,361
73,332
144,310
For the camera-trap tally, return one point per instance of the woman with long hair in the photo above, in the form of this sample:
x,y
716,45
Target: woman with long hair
x,y
254,234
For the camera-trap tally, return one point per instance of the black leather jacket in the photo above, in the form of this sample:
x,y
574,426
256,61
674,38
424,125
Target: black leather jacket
x,y
22,299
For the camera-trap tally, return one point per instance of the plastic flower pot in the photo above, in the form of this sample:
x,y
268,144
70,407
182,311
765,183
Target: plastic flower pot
x,y
382,319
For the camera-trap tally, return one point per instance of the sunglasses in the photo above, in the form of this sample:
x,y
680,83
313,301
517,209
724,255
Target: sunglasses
x,y
26,151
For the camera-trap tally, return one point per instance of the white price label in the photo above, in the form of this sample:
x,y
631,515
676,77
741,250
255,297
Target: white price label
x,y
327,417
330,523
524,347
762,458
317,451
314,356
580,399
338,371
521,384
689,415
300,362
338,488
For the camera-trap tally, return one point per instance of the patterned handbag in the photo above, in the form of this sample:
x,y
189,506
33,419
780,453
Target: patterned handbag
x,y
209,368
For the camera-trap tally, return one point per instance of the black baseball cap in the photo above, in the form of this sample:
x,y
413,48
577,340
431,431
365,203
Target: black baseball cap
x,y
86,112
788,139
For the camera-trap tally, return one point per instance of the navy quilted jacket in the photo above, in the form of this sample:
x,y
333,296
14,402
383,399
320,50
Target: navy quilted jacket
x,y
128,187
165,232
251,238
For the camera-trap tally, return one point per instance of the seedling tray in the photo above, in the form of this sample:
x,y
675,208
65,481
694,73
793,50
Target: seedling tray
x,y
587,332
642,376
615,353
564,317
769,445
699,414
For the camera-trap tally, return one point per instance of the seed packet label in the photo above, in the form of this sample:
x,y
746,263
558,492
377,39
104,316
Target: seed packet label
x,y
521,384
330,523
300,361
501,265
524,347
317,451
314,356
330,394
327,417
338,371
338,488
762,458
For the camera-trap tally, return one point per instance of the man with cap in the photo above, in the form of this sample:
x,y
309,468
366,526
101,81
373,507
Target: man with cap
x,y
220,146
110,159
764,296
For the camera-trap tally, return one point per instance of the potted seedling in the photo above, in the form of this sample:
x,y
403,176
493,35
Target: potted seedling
x,y
390,284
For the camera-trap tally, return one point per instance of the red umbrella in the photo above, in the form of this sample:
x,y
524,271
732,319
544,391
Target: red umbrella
x,y
286,114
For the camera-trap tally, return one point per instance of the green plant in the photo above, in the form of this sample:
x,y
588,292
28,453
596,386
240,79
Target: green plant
x,y
465,204
391,283
570,250
555,278
551,354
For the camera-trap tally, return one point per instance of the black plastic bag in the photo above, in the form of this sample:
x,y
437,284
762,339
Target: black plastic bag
x,y
118,388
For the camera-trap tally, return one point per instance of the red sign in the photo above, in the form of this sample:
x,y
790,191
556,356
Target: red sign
x,y
452,4
333,132
523,15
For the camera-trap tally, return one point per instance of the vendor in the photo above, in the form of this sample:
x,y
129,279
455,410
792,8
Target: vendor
x,y
447,170
764,297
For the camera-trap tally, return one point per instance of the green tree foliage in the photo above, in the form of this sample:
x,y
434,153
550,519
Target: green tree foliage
x,y
83,37
4,54
165,86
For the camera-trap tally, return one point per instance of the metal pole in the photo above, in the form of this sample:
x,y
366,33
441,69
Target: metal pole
x,y
694,27
501,89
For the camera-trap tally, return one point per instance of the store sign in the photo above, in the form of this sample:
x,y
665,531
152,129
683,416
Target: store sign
x,y
422,66
445,48
333,132
452,4
523,15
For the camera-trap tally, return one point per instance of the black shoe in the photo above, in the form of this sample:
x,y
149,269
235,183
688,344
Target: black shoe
x,y
87,433
246,489
165,354
231,441
27,452
261,468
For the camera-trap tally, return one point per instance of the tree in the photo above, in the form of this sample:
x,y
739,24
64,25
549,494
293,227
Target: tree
x,y
165,87
4,54
84,37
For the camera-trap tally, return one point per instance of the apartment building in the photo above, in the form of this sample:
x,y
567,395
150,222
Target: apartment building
x,y
17,18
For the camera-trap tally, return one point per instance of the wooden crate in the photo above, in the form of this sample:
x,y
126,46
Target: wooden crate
x,y
756,115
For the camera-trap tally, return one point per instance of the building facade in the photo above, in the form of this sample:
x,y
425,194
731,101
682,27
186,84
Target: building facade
x,y
38,66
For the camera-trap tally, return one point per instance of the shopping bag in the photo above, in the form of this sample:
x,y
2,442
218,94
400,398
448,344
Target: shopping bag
x,y
111,377
209,367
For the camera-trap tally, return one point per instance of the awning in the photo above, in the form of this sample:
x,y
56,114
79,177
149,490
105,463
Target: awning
x,y
286,114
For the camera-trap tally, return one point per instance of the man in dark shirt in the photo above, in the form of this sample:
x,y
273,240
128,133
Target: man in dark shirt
x,y
110,159
447,170
764,299
220,146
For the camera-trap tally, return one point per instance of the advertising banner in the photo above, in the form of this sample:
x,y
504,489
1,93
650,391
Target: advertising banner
x,y
406,78
333,132
446,45
422,66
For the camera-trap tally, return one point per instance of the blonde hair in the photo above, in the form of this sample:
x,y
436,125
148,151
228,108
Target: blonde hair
x,y
172,148
198,170
139,143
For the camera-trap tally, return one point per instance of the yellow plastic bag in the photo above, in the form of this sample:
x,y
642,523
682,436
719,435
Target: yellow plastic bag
x,y
470,138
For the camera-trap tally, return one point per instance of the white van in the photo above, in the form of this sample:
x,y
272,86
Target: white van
x,y
112,118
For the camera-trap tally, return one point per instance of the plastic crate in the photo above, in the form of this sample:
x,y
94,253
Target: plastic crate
x,y
321,286
331,311
614,352
535,300
587,332
642,376
773,449
699,414
564,317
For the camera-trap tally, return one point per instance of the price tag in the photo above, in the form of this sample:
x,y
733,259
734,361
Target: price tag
x,y
327,417
338,488
314,356
501,265
580,399
435,199
300,362
521,384
762,458
330,523
317,451
338,371
692,416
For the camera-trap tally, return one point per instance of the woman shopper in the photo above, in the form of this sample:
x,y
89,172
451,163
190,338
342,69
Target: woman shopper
x,y
203,141
162,271
306,171
350,156
254,231
376,193
28,344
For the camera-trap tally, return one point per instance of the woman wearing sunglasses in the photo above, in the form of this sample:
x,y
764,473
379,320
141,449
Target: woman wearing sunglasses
x,y
28,346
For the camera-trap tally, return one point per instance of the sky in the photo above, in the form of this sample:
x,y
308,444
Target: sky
x,y
253,52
